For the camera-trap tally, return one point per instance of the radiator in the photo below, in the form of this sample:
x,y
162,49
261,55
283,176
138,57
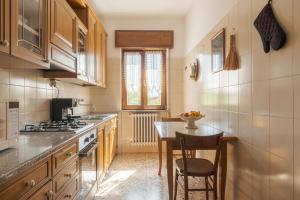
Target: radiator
x,y
143,131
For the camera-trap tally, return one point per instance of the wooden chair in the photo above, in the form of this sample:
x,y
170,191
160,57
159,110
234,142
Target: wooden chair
x,y
198,167
190,154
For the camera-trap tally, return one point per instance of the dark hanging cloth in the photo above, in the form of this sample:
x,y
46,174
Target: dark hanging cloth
x,y
270,31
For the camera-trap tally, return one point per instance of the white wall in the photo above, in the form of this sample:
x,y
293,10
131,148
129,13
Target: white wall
x,y
259,103
202,17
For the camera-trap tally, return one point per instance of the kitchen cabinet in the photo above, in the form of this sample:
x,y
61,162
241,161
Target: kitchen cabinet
x,y
30,182
92,46
82,42
64,176
45,193
54,177
63,34
100,154
4,25
63,156
110,142
29,39
101,54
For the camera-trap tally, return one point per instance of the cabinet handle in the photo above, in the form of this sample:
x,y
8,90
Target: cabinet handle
x,y
4,43
68,175
69,154
31,183
46,60
68,196
49,194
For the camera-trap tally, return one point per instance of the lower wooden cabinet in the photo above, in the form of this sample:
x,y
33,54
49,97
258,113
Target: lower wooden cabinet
x,y
64,176
100,154
45,193
42,183
64,155
27,184
110,142
70,192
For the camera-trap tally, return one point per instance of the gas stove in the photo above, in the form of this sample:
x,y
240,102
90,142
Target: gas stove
x,y
72,126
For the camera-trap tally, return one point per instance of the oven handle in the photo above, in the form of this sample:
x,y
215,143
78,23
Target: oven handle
x,y
88,150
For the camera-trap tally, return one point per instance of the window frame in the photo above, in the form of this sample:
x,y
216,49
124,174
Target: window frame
x,y
143,105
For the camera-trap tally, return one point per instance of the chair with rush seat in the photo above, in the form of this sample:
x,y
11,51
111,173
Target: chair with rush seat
x,y
198,167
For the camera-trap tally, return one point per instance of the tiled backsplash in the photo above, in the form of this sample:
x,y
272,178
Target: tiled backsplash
x,y
260,103
34,93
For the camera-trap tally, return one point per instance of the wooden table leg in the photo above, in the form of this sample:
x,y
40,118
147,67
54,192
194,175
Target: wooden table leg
x,y
223,168
159,155
170,169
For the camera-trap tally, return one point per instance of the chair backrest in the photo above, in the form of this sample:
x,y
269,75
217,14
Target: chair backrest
x,y
171,119
192,142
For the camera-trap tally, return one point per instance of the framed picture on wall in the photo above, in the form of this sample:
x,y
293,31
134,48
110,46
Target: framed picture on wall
x,y
218,51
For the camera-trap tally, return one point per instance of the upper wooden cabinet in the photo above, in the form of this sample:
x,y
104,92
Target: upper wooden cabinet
x,y
4,25
100,56
92,46
29,38
82,40
64,37
63,34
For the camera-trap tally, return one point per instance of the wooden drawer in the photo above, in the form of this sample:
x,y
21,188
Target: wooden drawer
x,y
70,192
62,59
65,175
29,183
45,193
64,155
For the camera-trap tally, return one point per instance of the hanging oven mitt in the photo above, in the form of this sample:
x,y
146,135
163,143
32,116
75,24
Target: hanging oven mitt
x,y
269,29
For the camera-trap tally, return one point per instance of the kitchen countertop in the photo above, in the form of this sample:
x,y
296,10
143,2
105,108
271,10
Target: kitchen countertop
x,y
33,147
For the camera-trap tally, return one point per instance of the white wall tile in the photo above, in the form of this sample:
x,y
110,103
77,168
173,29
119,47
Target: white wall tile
x,y
296,82
260,66
281,179
245,128
233,98
261,97
297,159
245,71
281,137
261,132
245,98
281,97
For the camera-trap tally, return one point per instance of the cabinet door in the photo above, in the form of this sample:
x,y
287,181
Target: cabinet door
x,y
103,59
45,193
92,28
101,56
100,154
82,70
98,54
63,26
29,31
4,25
107,151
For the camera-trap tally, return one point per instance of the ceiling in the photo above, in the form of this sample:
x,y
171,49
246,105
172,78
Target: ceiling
x,y
172,8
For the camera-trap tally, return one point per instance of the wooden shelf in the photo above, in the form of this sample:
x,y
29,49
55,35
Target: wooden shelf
x,y
28,28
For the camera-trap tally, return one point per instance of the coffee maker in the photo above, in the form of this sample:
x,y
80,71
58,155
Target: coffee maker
x,y
62,108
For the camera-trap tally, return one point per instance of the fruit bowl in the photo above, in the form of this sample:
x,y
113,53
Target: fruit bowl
x,y
190,119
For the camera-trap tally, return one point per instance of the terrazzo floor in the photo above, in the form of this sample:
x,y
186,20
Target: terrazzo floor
x,y
134,177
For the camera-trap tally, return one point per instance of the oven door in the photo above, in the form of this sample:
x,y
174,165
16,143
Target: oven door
x,y
88,169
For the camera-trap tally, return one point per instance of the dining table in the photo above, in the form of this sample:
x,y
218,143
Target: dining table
x,y
167,132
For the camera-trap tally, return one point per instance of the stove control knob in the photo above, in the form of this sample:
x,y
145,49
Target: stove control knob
x,y
86,140
92,136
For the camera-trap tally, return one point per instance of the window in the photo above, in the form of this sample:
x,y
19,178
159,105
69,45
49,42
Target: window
x,y
144,80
